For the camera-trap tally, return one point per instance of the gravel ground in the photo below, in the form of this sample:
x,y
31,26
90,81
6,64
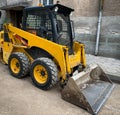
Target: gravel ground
x,y
20,97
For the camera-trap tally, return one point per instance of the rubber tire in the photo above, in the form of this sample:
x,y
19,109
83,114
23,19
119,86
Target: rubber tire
x,y
24,64
51,69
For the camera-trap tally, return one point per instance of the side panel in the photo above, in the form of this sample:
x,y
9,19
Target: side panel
x,y
77,58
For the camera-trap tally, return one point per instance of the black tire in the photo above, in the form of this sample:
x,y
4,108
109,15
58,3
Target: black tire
x,y
49,71
18,64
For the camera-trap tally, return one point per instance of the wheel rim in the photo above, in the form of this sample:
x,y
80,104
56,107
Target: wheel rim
x,y
15,65
40,74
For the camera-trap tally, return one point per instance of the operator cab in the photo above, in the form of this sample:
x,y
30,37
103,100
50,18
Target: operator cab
x,y
51,22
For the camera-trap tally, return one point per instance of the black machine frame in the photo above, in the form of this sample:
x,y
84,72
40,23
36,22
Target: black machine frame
x,y
51,12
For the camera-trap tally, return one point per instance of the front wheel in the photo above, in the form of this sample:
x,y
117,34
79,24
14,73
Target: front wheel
x,y
44,73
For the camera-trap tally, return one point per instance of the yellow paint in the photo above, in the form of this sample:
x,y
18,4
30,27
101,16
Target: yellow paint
x,y
15,65
40,74
1,38
64,61
56,50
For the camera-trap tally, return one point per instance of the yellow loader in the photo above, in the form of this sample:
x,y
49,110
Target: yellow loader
x,y
44,47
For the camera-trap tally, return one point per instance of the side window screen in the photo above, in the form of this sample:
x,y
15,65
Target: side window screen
x,y
40,22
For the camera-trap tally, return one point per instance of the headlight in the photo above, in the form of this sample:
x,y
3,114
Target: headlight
x,y
56,9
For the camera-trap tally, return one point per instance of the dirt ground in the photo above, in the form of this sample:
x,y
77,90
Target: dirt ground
x,y
20,97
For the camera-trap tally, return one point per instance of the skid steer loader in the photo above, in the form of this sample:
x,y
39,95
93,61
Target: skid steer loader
x,y
44,47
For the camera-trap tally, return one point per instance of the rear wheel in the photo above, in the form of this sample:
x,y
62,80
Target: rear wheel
x,y
18,64
44,73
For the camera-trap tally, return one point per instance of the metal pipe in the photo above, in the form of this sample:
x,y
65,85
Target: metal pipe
x,y
99,26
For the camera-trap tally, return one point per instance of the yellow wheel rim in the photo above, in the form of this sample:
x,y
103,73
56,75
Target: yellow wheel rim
x,y
15,65
40,74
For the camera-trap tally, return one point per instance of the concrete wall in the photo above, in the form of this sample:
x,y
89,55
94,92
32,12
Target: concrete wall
x,y
86,19
12,5
2,18
12,2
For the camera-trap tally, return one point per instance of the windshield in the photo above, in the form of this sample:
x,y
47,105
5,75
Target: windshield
x,y
63,29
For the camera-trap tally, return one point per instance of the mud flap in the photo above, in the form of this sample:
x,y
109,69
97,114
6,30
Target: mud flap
x,y
88,89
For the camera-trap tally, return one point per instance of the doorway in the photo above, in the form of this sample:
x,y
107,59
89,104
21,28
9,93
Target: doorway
x,y
16,17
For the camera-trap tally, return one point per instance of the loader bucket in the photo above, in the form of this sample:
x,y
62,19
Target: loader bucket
x,y
88,89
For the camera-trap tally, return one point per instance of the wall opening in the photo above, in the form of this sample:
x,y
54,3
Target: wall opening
x,y
16,17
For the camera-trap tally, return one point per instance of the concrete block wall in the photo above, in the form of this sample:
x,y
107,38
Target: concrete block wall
x,y
3,3
2,18
86,19
12,2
